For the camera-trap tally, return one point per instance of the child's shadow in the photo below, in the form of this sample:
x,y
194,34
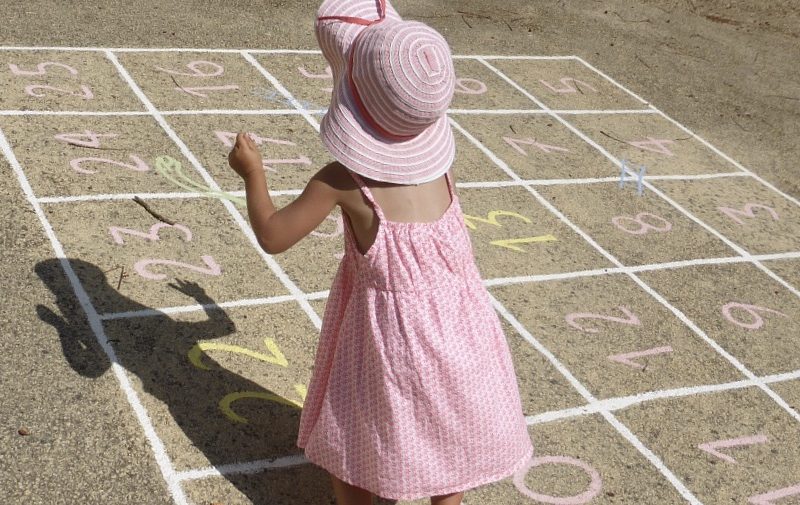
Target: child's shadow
x,y
155,351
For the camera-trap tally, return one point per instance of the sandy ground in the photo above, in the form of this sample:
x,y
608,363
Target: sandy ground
x,y
724,69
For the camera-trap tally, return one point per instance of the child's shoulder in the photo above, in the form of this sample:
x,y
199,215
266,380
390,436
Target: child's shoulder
x,y
336,176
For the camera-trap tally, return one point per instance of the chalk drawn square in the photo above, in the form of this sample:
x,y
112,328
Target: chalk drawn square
x,y
614,337
221,387
290,147
279,485
513,235
749,314
535,146
306,76
637,230
479,88
198,81
62,81
79,155
576,461
743,210
727,447
651,141
567,85
102,238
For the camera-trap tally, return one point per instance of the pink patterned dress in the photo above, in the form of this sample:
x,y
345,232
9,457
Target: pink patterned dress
x,y
413,392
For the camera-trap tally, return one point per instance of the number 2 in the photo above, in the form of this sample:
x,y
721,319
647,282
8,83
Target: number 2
x,y
631,319
142,267
32,89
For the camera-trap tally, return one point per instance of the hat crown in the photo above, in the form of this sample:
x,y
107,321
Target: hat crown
x,y
404,76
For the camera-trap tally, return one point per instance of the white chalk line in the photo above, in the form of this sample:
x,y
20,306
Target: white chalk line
x,y
464,185
619,426
156,444
281,89
582,390
555,58
72,113
157,50
245,468
241,50
178,494
739,250
598,406
246,302
245,228
489,283
711,342
294,112
693,134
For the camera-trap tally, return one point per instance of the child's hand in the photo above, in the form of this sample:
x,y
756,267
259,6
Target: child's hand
x,y
245,157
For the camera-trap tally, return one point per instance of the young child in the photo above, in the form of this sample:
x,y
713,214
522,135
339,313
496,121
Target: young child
x,y
413,392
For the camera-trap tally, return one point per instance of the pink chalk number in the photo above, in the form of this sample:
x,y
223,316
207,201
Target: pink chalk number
x,y
630,319
152,235
138,165
86,139
202,91
654,145
753,310
772,497
515,143
142,267
196,70
308,75
714,448
468,86
628,358
595,484
41,68
34,90
229,139
747,211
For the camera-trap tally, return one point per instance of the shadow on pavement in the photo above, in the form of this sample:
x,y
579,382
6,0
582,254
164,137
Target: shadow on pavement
x,y
183,400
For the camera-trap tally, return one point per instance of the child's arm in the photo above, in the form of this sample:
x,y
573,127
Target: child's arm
x,y
278,230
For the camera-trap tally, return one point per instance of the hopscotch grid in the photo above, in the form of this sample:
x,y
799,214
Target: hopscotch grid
x,y
294,112
489,283
679,314
565,372
690,132
464,185
99,49
598,407
163,461
307,114
739,250
234,213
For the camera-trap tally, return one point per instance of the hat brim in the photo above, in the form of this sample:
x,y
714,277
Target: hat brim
x,y
355,144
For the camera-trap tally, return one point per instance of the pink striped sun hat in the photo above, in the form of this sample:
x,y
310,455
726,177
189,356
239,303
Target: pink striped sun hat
x,y
393,83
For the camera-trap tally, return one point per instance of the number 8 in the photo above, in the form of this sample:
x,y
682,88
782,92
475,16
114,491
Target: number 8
x,y
644,226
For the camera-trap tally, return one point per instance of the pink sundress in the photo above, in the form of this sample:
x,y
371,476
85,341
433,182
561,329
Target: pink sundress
x,y
413,392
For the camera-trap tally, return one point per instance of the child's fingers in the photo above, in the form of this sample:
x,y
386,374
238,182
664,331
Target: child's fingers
x,y
241,139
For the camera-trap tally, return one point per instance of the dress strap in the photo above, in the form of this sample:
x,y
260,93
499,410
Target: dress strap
x,y
367,193
450,185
